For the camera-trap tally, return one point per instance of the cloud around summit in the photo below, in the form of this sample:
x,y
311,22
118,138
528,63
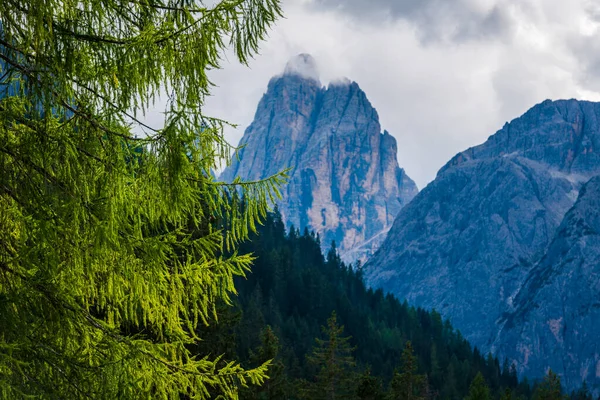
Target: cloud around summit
x,y
443,74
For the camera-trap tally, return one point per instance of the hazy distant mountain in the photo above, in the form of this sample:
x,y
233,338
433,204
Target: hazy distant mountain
x,y
345,181
556,318
469,241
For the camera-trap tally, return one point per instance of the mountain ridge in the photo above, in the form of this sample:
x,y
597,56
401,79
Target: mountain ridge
x,y
345,181
585,122
468,242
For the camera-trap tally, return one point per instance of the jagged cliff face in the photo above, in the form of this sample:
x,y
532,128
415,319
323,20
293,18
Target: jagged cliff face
x,y
561,134
345,182
468,242
556,315
465,243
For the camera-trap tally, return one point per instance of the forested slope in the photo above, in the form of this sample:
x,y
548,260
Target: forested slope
x,y
294,290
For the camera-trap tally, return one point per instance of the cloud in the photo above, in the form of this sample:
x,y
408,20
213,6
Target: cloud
x,y
304,65
434,20
486,62
584,44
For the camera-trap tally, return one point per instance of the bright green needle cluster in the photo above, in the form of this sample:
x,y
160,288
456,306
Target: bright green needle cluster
x,y
114,248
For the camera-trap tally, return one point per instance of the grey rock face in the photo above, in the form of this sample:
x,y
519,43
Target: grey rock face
x,y
345,181
563,134
556,316
467,243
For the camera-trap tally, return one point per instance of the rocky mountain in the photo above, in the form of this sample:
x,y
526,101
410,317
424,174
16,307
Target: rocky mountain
x,y
556,314
345,182
468,242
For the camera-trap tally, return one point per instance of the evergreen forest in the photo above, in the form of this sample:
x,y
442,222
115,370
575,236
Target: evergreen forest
x,y
297,305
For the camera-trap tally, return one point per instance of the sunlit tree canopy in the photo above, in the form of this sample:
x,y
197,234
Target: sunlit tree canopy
x,y
115,246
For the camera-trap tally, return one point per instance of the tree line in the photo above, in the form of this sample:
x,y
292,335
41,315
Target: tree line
x,y
330,336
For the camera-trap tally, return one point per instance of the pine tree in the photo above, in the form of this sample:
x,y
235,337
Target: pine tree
x,y
274,387
252,322
583,393
407,384
219,337
478,389
549,388
333,258
378,323
334,362
436,370
369,387
114,248
493,370
507,395
450,387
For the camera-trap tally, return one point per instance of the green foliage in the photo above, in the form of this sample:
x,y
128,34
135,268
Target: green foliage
x,y
583,393
275,386
507,395
407,384
369,387
479,390
334,362
299,289
549,388
111,246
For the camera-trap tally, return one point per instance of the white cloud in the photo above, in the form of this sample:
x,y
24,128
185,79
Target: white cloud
x,y
437,91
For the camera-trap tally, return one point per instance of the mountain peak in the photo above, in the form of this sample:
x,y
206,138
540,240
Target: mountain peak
x,y
303,65
497,244
562,134
345,182
341,82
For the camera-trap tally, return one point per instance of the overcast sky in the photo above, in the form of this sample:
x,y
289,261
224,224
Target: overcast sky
x,y
443,74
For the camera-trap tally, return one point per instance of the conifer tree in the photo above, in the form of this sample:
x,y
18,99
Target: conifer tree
x,y
333,258
219,336
407,384
369,387
549,388
334,362
377,322
274,387
507,395
583,393
113,247
450,386
252,322
436,370
478,389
